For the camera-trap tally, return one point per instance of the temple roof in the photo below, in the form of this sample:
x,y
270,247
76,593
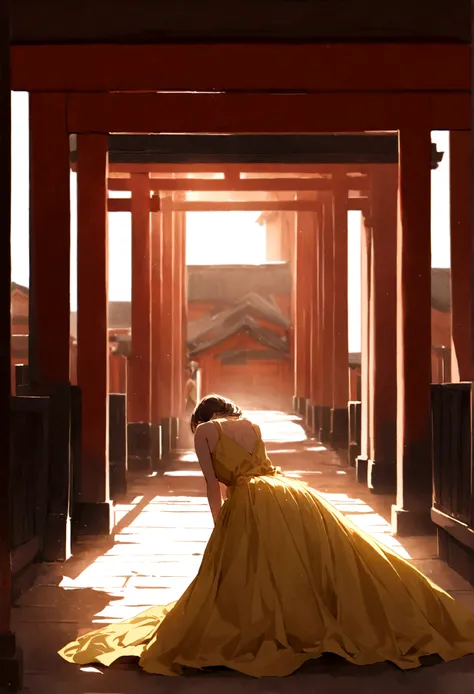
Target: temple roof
x,y
251,304
242,324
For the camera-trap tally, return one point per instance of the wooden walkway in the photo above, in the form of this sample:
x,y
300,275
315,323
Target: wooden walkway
x,y
162,528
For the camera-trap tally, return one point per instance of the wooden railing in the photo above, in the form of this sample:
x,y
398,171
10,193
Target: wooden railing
x,y
453,475
29,466
452,466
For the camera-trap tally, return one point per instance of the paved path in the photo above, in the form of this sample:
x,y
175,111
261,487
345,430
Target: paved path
x,y
161,532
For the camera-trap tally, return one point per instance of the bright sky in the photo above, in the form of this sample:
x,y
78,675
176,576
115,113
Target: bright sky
x,y
214,237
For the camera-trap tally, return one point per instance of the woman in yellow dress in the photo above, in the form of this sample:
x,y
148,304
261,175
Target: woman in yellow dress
x,y
284,578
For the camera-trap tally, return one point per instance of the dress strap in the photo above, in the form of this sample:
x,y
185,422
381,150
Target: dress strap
x,y
219,427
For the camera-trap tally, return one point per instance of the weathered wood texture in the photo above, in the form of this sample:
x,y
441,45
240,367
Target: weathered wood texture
x,y
452,468
29,471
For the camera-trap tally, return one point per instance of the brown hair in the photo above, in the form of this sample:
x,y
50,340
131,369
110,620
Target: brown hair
x,y
212,405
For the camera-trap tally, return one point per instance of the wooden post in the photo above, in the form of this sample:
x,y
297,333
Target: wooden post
x,y
92,330
302,271
156,337
411,514
365,256
327,341
316,325
11,667
460,179
339,412
49,348
166,348
50,343
381,474
139,383
178,304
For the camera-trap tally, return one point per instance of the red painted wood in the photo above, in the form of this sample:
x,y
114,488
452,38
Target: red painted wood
x,y
157,373
414,478
461,251
194,67
244,184
92,317
164,171
125,205
179,231
316,313
341,341
365,291
49,218
327,338
303,259
139,382
382,321
166,343
7,643
326,112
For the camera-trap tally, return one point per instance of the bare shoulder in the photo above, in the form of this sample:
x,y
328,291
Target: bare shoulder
x,y
206,430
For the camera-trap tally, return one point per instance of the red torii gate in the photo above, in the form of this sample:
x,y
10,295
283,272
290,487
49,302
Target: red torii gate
x,y
410,88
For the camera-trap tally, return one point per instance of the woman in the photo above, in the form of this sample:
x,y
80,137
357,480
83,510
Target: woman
x,y
284,578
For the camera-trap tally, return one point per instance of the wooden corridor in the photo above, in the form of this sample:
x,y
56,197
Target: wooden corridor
x,y
161,529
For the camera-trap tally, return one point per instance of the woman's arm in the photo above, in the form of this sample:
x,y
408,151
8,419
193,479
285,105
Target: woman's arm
x,y
201,446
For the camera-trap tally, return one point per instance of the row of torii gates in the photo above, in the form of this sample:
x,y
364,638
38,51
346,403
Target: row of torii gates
x,y
232,89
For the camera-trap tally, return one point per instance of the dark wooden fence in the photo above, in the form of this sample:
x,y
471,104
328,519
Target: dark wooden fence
x,y
118,445
453,478
29,465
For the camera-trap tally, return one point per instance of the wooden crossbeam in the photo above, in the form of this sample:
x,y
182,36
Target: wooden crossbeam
x,y
364,67
236,113
238,184
267,170
125,205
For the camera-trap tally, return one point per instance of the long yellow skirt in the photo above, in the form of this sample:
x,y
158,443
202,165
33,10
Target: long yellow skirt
x,y
285,578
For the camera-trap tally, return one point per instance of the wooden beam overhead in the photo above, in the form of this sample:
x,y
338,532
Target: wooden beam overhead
x,y
265,113
266,170
242,184
125,205
336,67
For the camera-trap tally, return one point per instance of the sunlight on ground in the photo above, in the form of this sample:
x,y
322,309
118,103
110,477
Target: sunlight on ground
x,y
159,539
277,427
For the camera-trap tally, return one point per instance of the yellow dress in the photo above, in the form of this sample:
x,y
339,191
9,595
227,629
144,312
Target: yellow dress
x,y
285,578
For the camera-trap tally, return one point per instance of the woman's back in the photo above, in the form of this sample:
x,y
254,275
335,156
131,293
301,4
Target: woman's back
x,y
237,450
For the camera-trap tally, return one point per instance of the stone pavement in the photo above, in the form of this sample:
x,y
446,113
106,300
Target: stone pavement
x,y
162,528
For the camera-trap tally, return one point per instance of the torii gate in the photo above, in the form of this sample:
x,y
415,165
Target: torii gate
x,y
409,88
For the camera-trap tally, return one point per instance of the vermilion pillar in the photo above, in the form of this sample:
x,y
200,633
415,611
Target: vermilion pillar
x,y
139,374
382,391
49,338
166,344
49,348
302,283
339,413
461,243
365,264
411,514
156,335
178,313
316,325
92,329
10,656
327,332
